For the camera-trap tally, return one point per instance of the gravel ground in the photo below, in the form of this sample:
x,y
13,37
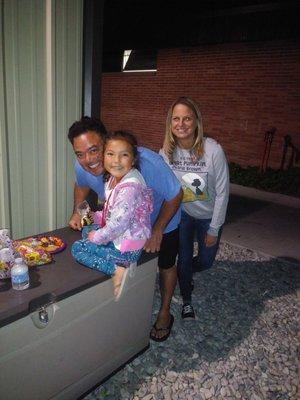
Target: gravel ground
x,y
244,343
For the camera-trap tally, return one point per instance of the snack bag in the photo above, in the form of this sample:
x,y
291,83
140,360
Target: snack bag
x,y
84,210
5,241
7,254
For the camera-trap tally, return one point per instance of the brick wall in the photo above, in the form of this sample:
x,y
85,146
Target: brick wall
x,y
243,89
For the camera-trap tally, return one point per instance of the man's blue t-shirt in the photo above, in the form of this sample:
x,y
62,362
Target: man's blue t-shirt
x,y
157,174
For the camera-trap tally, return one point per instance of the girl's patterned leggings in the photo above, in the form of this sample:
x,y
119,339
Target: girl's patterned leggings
x,y
102,257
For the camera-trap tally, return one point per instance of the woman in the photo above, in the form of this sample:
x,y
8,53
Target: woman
x,y
200,165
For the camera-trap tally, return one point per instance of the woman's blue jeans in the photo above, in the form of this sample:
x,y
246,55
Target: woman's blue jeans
x,y
189,228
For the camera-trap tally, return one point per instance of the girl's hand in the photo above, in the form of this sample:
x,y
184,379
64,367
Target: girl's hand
x,y
91,236
210,240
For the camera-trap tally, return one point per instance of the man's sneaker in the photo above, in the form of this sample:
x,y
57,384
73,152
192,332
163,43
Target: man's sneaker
x,y
187,312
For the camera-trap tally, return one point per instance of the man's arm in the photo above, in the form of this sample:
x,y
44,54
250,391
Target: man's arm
x,y
80,194
168,209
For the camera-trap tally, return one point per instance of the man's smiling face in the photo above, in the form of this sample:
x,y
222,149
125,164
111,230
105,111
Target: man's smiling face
x,y
88,148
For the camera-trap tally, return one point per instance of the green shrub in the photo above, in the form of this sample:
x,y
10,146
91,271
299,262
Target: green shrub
x,y
285,182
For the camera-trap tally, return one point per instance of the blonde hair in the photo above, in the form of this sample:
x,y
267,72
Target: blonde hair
x,y
170,141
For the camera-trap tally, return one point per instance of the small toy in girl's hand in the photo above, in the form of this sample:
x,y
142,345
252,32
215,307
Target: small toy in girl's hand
x,y
84,211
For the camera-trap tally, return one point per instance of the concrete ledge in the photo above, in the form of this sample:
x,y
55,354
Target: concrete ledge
x,y
276,198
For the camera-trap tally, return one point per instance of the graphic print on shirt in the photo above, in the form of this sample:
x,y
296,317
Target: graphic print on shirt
x,y
194,186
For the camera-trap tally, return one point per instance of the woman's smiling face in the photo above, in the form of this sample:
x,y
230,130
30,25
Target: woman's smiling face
x,y
183,123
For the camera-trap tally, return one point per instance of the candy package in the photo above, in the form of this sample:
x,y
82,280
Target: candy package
x,y
32,252
85,213
7,254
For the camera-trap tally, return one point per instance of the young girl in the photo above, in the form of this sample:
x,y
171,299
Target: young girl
x,y
200,165
120,230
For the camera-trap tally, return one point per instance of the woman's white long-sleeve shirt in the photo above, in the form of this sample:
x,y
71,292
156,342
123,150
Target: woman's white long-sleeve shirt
x,y
205,183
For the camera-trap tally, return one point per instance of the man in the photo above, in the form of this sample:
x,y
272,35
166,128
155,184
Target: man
x,y
87,138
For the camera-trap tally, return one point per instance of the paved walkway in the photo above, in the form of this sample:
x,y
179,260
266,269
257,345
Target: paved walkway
x,y
264,222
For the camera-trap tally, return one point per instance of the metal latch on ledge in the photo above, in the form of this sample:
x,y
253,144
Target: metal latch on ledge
x,y
42,310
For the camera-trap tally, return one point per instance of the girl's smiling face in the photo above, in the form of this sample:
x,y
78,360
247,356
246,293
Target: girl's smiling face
x,y
118,158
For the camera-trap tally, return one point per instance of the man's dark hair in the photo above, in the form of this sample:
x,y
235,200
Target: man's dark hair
x,y
84,125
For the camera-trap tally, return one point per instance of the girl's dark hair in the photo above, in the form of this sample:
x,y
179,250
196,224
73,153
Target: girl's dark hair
x,y
126,137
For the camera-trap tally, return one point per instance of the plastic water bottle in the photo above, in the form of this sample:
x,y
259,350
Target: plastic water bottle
x,y
19,275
